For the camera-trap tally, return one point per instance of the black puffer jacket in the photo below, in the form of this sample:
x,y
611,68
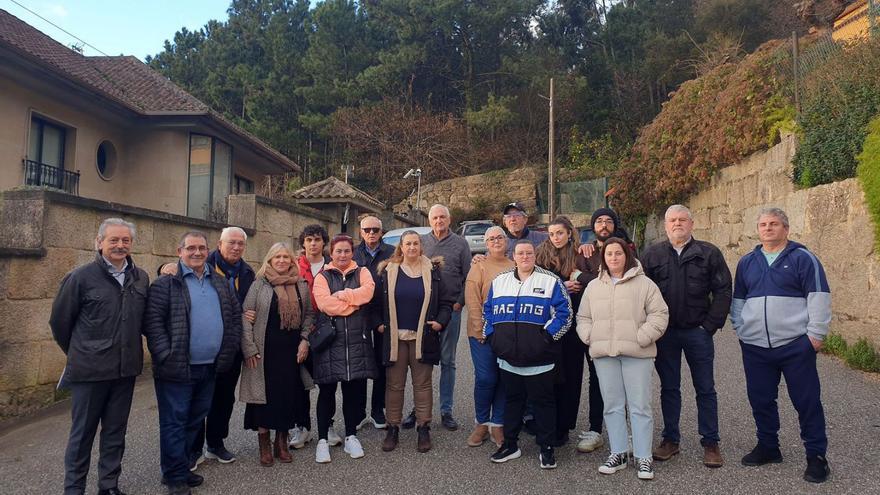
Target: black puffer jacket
x,y
97,322
439,310
166,326
350,355
696,285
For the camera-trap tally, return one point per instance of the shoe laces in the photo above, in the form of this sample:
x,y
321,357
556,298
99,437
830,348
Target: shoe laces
x,y
616,459
644,465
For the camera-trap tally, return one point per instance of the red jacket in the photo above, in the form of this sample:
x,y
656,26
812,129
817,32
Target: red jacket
x,y
305,271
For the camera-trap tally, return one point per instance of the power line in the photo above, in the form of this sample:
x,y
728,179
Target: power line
x,y
84,42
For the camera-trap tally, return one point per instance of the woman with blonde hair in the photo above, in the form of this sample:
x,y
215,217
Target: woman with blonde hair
x,y
274,346
416,308
488,392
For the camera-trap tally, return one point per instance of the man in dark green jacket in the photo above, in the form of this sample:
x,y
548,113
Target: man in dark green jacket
x,y
96,320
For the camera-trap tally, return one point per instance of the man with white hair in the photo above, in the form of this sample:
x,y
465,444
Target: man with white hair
x,y
695,282
96,320
227,261
781,312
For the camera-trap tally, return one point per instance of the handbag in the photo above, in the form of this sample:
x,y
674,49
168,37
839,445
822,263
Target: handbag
x,y
323,335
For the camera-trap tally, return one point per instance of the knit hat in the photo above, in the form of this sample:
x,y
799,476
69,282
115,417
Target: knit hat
x,y
607,212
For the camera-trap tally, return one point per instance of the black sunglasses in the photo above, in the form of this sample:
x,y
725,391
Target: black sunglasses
x,y
371,230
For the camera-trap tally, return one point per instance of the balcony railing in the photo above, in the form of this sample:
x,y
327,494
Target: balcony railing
x,y
40,174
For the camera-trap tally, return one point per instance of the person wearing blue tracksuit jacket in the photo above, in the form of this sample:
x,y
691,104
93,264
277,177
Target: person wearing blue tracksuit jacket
x,y
781,312
526,313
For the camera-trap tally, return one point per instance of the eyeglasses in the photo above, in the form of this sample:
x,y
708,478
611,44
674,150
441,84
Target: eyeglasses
x,y
604,222
371,230
495,238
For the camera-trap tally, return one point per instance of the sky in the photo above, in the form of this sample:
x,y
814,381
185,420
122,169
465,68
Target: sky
x,y
117,27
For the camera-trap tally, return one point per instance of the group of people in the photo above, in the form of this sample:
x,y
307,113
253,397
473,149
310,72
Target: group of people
x,y
333,314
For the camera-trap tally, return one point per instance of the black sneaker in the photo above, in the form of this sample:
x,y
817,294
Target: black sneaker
x,y
378,419
614,463
410,422
193,480
506,452
548,460
817,469
448,421
220,454
761,455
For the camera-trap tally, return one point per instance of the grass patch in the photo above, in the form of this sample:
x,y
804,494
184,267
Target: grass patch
x,y
863,356
835,345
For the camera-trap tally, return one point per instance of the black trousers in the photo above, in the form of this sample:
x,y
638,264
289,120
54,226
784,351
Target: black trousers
x,y
107,403
303,417
216,427
538,390
377,401
596,404
568,386
354,406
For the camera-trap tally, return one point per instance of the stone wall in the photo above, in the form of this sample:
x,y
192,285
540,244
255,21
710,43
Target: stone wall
x,y
467,193
831,220
43,235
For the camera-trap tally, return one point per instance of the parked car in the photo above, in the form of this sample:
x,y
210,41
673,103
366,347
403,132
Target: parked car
x,y
587,235
473,232
392,237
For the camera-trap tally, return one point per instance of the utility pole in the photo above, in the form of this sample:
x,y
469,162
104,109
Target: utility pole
x,y
551,173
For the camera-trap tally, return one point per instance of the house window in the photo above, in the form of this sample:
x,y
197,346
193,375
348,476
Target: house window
x,y
243,186
210,177
46,144
105,160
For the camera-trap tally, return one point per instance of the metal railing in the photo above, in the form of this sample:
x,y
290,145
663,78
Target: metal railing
x,y
40,174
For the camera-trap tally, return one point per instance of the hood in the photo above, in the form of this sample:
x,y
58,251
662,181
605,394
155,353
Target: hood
x,y
436,262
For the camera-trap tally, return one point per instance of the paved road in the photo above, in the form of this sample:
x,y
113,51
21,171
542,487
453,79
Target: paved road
x,y
31,455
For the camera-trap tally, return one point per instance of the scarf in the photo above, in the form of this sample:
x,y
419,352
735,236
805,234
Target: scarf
x,y
229,271
284,285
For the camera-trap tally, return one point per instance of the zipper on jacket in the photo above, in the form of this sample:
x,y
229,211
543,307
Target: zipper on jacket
x,y
347,362
766,323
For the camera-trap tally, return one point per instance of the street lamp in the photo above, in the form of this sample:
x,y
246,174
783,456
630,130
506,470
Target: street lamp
x,y
417,173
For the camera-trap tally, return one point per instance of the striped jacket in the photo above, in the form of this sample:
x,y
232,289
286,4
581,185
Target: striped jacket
x,y
525,320
775,304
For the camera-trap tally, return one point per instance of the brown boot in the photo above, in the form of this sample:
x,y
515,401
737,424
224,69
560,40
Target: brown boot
x,y
265,449
282,451
392,437
478,436
712,456
424,438
497,433
666,450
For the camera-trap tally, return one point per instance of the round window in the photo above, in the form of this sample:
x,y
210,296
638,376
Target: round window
x,y
106,160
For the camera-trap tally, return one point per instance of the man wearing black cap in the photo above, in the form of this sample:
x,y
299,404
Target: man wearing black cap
x,y
515,220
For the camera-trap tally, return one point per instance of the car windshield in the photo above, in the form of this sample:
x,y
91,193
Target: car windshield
x,y
476,229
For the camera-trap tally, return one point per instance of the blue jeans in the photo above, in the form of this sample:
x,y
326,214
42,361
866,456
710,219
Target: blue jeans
x,y
448,346
797,362
626,384
488,392
699,350
183,407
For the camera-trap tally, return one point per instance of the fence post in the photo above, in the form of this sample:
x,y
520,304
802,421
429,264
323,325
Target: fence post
x,y
795,67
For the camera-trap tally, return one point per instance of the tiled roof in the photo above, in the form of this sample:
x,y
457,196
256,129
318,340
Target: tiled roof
x,y
332,188
123,79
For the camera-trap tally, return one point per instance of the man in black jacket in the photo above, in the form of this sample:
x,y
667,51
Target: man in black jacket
x,y
193,330
96,320
227,261
369,253
696,284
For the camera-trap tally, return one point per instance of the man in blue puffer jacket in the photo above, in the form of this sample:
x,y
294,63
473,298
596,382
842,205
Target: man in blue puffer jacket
x,y
526,312
781,311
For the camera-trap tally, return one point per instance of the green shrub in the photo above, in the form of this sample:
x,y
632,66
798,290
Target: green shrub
x,y
834,345
840,97
863,356
868,172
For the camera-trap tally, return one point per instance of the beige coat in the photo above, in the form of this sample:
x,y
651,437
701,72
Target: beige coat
x,y
252,388
623,319
476,290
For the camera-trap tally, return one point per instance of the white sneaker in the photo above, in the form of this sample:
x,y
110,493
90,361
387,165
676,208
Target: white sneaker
x,y
333,438
322,452
353,447
299,437
366,422
589,441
